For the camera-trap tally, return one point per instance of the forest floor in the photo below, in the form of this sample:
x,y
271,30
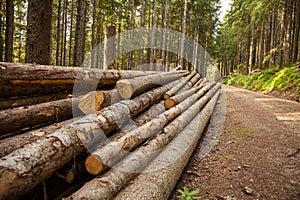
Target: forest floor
x,y
257,155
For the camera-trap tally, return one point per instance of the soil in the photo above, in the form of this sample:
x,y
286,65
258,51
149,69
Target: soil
x,y
257,155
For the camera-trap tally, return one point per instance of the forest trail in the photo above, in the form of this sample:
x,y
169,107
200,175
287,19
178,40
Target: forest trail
x,y
258,154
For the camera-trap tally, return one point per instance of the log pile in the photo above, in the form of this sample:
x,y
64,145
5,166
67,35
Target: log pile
x,y
92,144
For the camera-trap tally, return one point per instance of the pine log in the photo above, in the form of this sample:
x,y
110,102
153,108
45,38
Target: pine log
x,y
91,163
198,82
129,88
183,81
29,79
173,101
190,84
18,119
116,149
27,101
37,161
161,175
109,184
97,100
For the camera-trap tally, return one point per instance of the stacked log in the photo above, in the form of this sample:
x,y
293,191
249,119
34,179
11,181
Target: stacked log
x,y
125,113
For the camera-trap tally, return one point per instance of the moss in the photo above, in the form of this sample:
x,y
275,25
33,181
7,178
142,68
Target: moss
x,y
274,79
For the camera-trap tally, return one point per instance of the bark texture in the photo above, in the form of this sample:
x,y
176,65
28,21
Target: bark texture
x,y
129,88
183,81
109,47
110,183
190,84
30,79
120,147
163,173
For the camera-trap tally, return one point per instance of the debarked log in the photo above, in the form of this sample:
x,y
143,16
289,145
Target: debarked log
x,y
17,119
161,175
36,161
31,79
110,183
129,88
118,148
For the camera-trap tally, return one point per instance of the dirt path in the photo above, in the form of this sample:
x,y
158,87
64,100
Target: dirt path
x,y
259,149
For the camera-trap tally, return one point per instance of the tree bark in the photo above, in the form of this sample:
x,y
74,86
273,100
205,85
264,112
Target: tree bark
x,y
161,175
183,81
58,44
9,31
78,55
296,33
115,150
190,84
37,161
109,47
110,183
19,119
27,101
129,88
97,100
175,100
29,79
38,38
182,43
1,29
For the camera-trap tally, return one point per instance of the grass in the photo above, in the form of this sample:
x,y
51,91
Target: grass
x,y
273,79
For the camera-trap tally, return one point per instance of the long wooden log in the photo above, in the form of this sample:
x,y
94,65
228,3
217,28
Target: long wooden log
x,y
27,101
198,82
29,79
18,119
112,152
109,184
183,81
161,175
173,101
36,161
128,88
190,84
96,100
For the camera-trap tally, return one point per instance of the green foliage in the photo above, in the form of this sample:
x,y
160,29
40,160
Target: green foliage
x,y
188,195
274,79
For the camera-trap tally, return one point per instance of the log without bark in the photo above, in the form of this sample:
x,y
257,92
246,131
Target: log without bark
x,y
190,84
18,119
110,183
27,101
95,101
173,101
36,161
198,82
112,152
30,79
160,177
183,81
128,88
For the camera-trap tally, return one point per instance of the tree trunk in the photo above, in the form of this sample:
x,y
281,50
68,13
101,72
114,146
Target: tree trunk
x,y
1,29
175,89
106,156
158,181
27,101
141,40
165,26
153,36
97,100
26,79
282,33
57,56
37,161
190,84
24,118
79,34
129,88
64,35
109,48
261,45
175,100
182,44
38,38
71,34
110,183
296,33
273,35
288,26
9,31
132,12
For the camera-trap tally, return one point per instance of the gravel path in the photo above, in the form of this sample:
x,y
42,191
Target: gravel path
x,y
256,157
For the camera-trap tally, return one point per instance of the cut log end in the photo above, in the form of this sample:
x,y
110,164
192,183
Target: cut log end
x,y
166,96
169,103
93,165
91,102
125,89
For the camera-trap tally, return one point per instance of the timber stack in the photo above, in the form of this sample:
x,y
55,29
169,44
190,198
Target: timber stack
x,y
82,133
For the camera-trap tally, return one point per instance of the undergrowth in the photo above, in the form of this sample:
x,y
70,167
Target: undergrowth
x,y
273,79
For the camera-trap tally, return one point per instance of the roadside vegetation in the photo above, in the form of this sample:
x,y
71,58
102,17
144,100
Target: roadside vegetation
x,y
284,82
